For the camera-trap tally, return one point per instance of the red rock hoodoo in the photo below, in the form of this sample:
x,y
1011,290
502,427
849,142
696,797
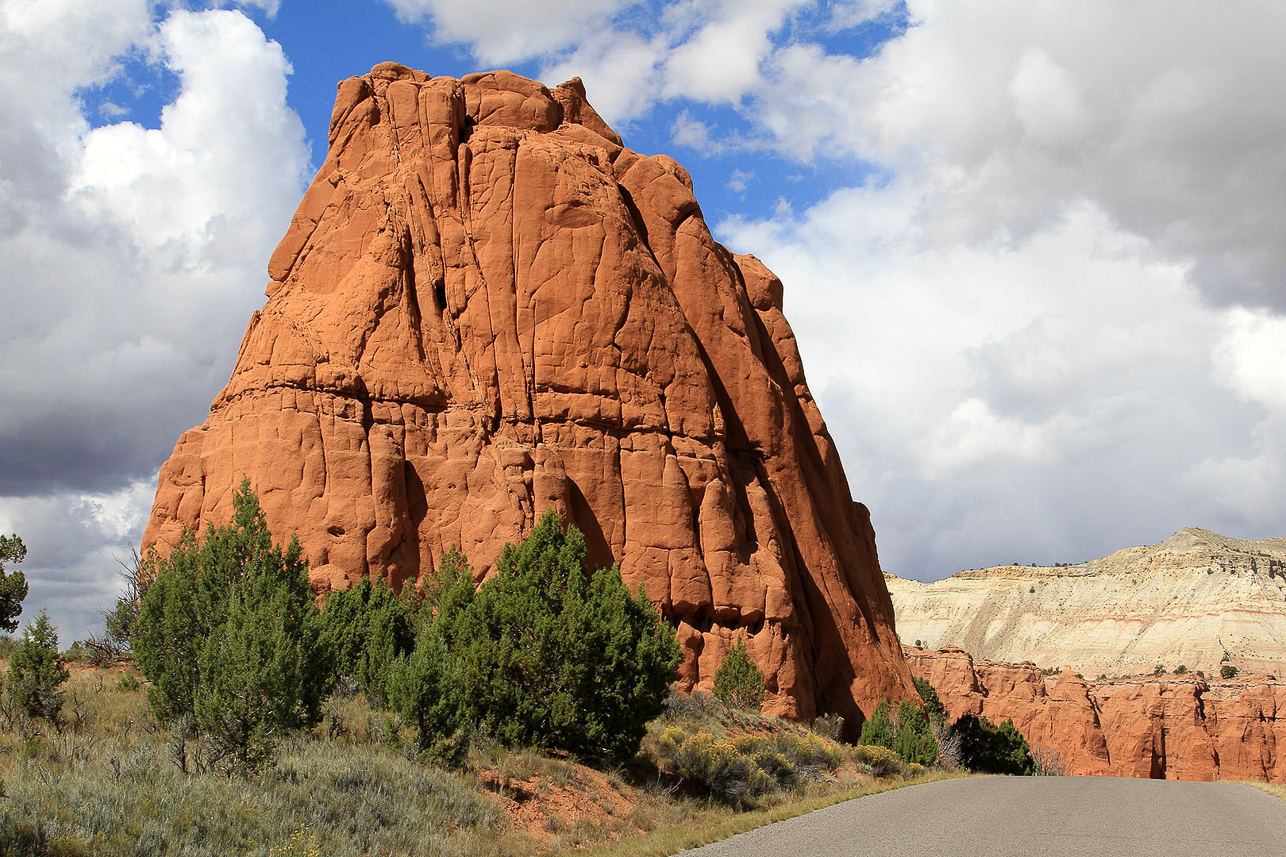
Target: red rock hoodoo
x,y
1164,728
486,305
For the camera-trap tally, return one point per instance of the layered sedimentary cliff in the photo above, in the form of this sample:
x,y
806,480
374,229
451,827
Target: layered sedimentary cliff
x,y
1164,728
1197,599
486,305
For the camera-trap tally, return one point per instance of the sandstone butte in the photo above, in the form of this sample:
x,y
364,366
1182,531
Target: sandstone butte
x,y
486,305
1163,728
1197,599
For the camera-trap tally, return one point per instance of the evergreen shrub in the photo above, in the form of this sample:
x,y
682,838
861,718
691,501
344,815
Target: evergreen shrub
x,y
229,636
366,628
544,654
877,731
738,680
914,742
990,749
36,670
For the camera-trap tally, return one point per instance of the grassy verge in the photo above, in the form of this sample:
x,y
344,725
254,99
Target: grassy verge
x,y
696,832
111,781
1275,789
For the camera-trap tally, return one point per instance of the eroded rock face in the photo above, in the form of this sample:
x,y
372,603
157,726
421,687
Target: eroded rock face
x,y
1163,728
1197,599
486,305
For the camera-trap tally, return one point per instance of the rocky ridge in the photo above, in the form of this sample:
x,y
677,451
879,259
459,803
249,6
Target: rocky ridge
x,y
1197,599
487,305
1163,728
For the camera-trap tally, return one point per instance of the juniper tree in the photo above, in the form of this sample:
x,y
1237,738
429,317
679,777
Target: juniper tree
x,y
914,741
420,688
546,654
228,635
13,585
988,748
878,731
738,680
933,707
366,627
36,670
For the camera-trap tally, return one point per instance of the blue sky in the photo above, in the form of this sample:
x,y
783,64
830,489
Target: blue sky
x,y
326,42
1032,252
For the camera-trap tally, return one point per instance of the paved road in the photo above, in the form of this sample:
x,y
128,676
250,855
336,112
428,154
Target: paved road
x,y
1044,816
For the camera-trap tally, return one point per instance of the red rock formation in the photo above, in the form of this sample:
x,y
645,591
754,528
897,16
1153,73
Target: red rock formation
x,y
486,305
1171,728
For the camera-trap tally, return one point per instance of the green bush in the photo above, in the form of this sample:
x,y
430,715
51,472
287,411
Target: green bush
x,y
880,761
75,652
1228,671
914,742
542,655
716,766
13,585
229,636
990,749
877,731
932,702
420,689
36,671
366,628
738,681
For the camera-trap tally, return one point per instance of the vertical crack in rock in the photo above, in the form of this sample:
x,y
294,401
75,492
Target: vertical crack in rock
x,y
486,306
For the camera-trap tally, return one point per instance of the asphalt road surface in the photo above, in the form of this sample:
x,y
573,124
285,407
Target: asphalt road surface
x,y
1045,816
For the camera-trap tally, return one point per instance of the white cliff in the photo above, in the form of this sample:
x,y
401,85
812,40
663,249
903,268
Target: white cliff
x,y
1197,599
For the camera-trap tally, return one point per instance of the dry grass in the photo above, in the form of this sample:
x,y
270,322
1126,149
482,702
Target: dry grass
x,y
1275,789
712,825
108,782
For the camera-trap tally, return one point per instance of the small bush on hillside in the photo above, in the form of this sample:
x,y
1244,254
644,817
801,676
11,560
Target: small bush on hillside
x,y
747,766
877,731
712,765
878,761
811,755
738,681
933,706
914,742
1228,671
990,749
829,726
36,670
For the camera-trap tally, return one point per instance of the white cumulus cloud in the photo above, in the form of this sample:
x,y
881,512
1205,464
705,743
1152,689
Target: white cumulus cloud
x,y
133,258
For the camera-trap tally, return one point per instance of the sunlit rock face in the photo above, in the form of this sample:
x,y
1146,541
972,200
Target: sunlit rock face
x,y
485,306
1165,727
